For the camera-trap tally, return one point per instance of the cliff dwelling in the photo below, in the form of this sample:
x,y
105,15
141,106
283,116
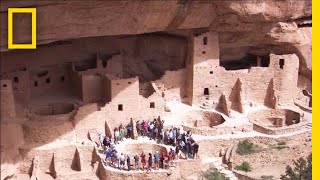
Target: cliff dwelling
x,y
182,82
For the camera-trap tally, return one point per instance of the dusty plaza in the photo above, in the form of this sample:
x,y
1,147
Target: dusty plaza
x,y
156,89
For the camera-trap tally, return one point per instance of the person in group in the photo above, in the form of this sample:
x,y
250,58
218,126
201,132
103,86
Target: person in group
x,y
105,142
129,130
182,148
149,163
156,159
113,157
162,158
128,162
144,127
122,161
143,160
161,136
118,155
136,161
177,152
138,127
155,133
174,134
169,158
179,136
195,150
108,156
121,133
167,137
170,137
116,135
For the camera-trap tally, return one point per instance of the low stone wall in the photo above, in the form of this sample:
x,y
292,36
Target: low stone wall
x,y
280,130
216,130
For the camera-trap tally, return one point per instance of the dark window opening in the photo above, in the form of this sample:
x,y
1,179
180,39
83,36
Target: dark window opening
x,y
250,60
16,79
48,80
206,91
216,85
5,85
203,52
265,61
152,105
281,63
205,40
211,72
42,73
129,82
62,79
36,84
120,107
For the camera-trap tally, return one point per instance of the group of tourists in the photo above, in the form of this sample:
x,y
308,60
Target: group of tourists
x,y
138,162
183,144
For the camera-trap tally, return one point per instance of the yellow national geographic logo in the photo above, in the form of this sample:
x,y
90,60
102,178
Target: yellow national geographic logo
x,y
33,44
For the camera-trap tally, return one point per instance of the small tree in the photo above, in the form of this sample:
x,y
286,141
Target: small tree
x,y
213,174
247,147
302,170
244,166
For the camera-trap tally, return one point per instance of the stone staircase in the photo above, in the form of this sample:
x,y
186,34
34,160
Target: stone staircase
x,y
216,162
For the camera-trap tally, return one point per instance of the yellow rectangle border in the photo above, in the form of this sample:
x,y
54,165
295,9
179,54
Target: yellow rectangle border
x,y
33,44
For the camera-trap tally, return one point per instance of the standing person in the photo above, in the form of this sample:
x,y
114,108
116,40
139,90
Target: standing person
x,y
143,160
149,162
161,136
177,152
138,127
118,159
174,133
122,161
121,133
116,135
136,162
179,136
145,128
156,159
195,150
170,137
128,162
162,158
108,156
155,133
167,135
129,130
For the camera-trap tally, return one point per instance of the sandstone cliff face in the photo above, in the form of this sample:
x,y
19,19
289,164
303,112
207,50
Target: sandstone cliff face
x,y
258,27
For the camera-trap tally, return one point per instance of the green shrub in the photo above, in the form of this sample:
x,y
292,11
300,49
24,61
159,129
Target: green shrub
x,y
213,174
264,177
281,143
245,166
247,147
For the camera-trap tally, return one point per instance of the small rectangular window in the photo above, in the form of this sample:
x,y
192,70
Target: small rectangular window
x,y
36,84
16,79
206,91
48,80
120,107
5,85
281,63
211,72
152,105
205,40
62,79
